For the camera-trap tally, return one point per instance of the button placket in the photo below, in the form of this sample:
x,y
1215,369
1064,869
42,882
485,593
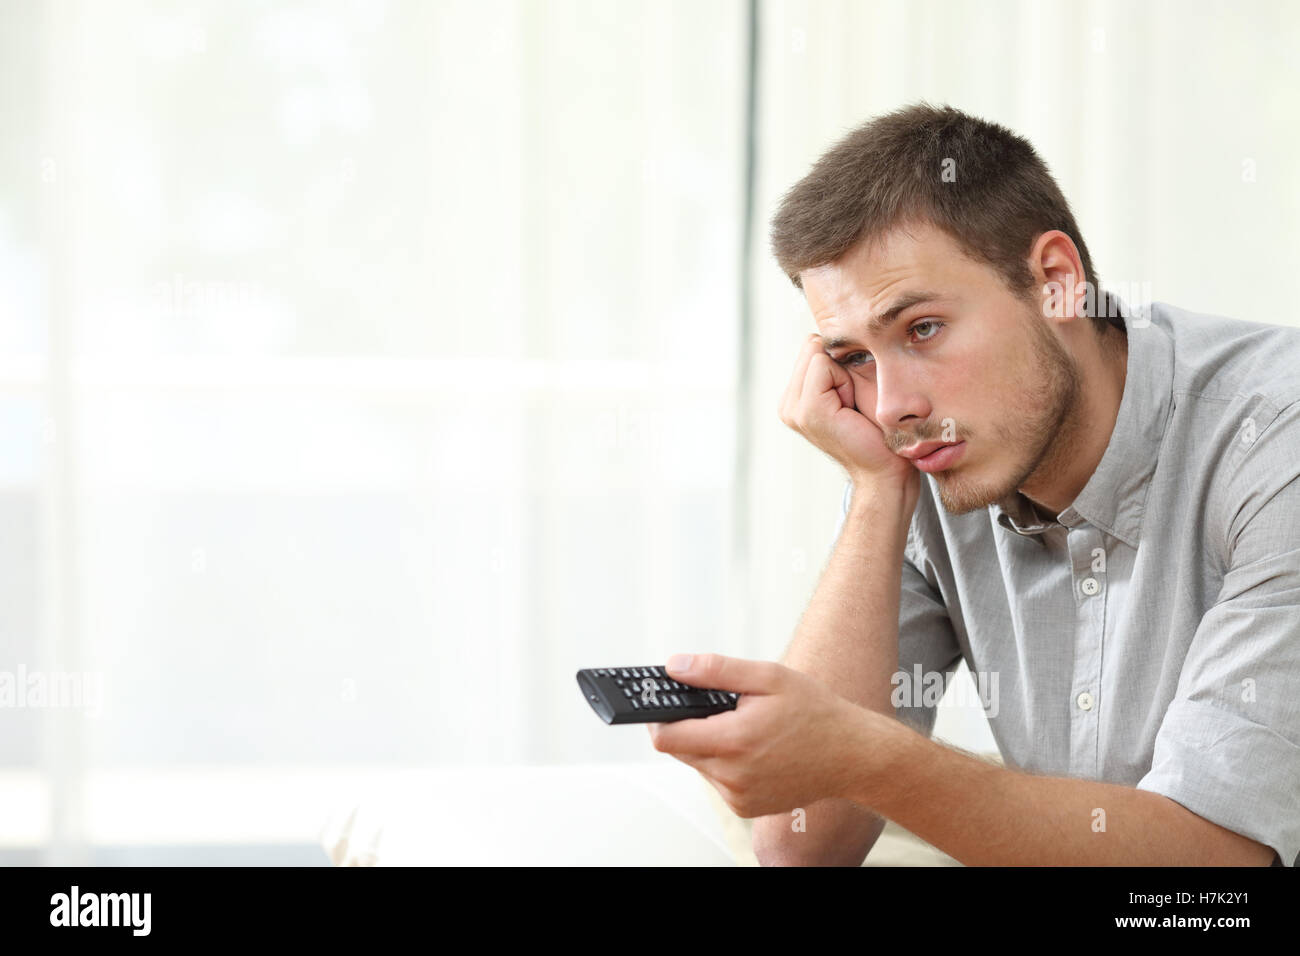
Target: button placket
x,y
1087,566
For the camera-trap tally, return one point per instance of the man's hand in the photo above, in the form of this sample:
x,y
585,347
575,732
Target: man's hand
x,y
832,408
790,742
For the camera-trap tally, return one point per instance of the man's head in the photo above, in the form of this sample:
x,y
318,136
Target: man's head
x,y
959,221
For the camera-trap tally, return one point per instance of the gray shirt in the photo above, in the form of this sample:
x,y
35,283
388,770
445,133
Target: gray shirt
x,y
1150,634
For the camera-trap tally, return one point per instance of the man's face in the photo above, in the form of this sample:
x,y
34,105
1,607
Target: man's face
x,y
976,363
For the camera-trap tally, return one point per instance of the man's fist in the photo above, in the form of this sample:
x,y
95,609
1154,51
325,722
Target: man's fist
x,y
820,403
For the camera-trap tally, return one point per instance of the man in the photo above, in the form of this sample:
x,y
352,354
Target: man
x,y
1097,507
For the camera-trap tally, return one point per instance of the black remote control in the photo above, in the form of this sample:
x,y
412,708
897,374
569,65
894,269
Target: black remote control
x,y
646,695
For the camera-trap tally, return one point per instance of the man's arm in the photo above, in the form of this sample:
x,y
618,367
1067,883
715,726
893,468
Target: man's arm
x,y
848,638
982,814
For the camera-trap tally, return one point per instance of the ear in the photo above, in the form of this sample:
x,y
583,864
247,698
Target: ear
x,y
1058,273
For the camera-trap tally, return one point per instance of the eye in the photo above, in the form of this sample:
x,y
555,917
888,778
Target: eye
x,y
932,324
853,358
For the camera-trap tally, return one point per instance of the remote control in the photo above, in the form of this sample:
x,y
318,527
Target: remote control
x,y
644,695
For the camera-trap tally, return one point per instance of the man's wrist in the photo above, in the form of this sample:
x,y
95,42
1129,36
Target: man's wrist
x,y
877,743
880,503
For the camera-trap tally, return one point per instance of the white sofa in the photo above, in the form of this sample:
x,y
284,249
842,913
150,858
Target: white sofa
x,y
655,813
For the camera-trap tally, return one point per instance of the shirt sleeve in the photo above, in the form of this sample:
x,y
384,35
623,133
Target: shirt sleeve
x,y
926,643
1228,748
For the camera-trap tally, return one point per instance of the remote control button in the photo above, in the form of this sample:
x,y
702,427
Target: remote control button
x,y
627,692
654,671
635,705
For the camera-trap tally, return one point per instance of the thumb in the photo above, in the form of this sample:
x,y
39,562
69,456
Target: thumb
x,y
718,672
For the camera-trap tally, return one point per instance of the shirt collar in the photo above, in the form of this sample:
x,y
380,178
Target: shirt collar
x,y
1115,495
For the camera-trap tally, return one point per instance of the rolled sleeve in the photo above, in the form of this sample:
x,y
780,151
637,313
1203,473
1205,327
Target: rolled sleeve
x,y
1228,747
925,634
1231,771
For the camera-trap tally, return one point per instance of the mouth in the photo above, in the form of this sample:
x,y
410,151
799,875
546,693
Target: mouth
x,y
930,457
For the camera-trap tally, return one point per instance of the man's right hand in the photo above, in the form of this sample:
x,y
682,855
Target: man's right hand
x,y
819,403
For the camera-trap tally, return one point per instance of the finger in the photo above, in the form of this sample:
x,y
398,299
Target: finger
x,y
842,382
853,393
706,768
795,384
696,739
719,672
793,388
824,375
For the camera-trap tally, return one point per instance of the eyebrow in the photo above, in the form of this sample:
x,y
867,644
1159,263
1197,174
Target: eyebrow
x,y
884,320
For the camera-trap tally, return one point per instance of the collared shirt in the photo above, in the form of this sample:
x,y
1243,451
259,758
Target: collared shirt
x,y
1150,634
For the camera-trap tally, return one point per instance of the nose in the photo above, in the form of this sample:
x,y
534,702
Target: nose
x,y
899,405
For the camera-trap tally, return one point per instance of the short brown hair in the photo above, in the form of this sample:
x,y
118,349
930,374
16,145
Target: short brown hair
x,y
890,172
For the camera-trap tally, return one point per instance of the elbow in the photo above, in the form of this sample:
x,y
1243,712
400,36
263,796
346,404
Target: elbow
x,y
772,847
775,845
775,853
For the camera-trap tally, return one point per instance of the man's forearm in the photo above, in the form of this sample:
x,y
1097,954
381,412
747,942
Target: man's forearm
x,y
982,814
848,638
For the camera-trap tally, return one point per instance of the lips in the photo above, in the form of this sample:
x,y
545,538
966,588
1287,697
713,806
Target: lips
x,y
941,459
925,448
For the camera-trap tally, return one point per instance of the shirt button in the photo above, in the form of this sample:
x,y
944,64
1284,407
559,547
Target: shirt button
x,y
1084,701
1090,586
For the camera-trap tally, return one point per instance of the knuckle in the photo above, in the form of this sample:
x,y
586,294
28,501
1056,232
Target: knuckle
x,y
709,665
745,806
743,741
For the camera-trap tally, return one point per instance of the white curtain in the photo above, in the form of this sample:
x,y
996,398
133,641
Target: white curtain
x,y
366,369
369,369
